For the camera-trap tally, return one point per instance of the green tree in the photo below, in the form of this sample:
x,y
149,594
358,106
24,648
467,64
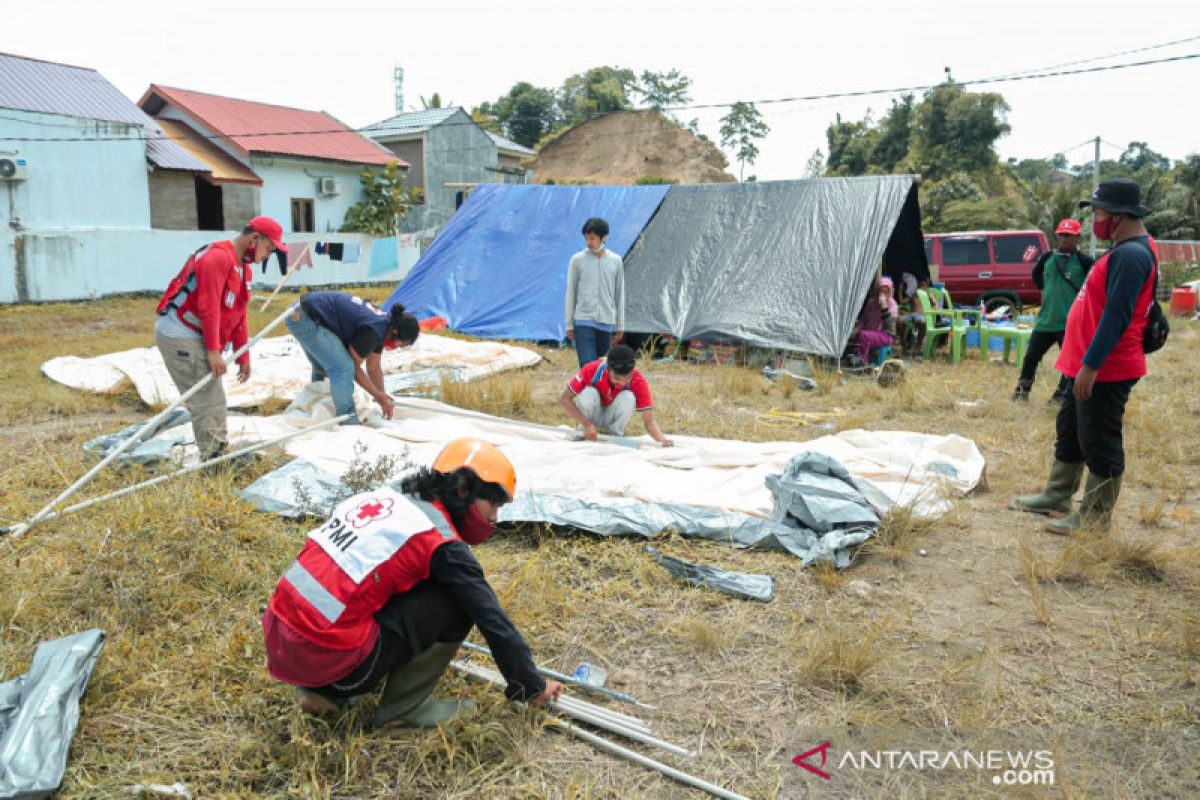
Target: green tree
x,y
891,145
662,90
851,146
434,101
526,113
1138,156
385,202
740,128
484,116
815,166
956,131
597,91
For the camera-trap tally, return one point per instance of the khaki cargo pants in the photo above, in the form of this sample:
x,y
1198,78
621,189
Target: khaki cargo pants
x,y
187,363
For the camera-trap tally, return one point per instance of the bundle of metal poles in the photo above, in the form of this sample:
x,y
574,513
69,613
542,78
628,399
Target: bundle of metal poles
x,y
614,722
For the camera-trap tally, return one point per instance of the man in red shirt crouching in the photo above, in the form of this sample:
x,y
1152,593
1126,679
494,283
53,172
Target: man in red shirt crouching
x,y
606,392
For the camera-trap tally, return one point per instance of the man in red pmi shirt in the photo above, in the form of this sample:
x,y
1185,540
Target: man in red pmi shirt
x,y
202,311
606,392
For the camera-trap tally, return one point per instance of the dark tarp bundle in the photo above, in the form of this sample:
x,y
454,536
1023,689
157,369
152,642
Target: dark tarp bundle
x,y
498,270
780,265
39,712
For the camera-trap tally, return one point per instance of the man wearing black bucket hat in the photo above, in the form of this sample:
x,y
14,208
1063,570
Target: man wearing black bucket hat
x,y
1102,356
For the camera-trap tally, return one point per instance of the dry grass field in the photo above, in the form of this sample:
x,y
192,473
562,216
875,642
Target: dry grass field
x,y
1088,647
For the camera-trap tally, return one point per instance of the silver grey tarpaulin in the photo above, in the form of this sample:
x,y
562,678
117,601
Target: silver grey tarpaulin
x,y
39,712
821,511
780,264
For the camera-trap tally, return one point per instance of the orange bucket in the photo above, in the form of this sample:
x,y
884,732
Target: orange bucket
x,y
1183,302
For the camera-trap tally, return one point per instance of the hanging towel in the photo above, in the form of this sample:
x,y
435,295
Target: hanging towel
x,y
383,257
351,252
335,250
299,255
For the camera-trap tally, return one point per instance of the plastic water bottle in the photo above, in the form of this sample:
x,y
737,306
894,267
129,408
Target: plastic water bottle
x,y
590,674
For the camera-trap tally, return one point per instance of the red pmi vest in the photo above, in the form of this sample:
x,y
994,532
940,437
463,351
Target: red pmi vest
x,y
375,545
1126,361
232,296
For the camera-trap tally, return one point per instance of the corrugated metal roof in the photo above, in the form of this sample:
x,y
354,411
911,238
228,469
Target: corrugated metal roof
x,y
510,145
409,123
225,168
263,128
27,84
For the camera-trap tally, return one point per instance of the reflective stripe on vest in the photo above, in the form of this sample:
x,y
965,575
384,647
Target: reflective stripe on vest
x,y
436,517
314,593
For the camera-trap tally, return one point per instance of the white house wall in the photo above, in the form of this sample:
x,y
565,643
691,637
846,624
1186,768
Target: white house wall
x,y
43,266
74,184
285,178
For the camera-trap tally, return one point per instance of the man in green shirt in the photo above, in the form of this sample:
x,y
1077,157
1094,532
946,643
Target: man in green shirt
x,y
1059,274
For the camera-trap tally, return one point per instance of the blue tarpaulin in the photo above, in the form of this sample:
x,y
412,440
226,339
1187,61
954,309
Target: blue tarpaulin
x,y
498,270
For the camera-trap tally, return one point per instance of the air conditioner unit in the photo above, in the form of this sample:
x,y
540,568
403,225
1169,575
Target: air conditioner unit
x,y
328,186
13,169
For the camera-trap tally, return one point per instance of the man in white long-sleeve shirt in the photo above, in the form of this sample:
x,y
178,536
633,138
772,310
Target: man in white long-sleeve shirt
x,y
595,307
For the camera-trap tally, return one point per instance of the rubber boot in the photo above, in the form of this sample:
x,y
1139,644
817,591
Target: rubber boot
x,y
1060,392
406,702
1095,508
1056,497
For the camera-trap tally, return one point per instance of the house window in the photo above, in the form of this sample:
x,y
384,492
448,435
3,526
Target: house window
x,y
303,219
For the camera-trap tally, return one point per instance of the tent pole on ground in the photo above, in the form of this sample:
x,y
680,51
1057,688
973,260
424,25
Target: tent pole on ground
x,y
16,531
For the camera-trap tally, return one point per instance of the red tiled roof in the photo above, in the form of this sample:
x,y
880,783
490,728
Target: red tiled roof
x,y
263,128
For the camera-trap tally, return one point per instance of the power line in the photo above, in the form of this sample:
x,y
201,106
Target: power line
x,y
1105,57
699,106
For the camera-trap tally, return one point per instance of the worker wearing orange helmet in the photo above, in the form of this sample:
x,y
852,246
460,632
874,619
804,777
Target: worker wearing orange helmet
x,y
388,588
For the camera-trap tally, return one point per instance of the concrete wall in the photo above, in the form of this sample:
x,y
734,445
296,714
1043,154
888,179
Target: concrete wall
x,y
73,264
242,203
285,178
100,184
173,200
412,153
456,151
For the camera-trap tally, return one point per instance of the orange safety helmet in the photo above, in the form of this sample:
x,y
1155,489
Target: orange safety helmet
x,y
486,460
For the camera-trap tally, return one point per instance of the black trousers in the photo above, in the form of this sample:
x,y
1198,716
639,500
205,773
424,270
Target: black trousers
x,y
1090,430
1039,343
409,624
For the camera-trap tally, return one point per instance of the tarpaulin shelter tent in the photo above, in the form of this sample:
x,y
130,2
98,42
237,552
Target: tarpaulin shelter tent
x,y
781,265
775,264
498,269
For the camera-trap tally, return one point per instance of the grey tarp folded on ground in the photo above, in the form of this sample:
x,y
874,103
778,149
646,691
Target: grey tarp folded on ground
x,y
821,510
746,585
780,264
145,452
39,712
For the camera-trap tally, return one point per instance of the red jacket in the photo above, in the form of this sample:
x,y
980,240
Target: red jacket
x,y
1127,359
374,545
210,295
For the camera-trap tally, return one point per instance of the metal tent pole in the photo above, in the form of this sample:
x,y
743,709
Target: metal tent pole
x,y
194,467
16,531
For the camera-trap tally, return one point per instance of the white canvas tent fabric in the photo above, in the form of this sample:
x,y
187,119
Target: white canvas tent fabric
x,y
713,488
280,370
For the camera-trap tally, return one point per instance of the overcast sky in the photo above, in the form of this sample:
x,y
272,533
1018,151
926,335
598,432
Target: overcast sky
x,y
338,57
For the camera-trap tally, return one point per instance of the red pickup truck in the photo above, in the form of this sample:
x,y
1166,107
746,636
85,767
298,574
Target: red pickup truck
x,y
992,267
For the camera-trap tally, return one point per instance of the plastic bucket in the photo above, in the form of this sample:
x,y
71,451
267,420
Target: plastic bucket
x,y
1183,302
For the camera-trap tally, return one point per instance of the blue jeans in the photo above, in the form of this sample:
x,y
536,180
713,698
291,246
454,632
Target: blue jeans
x,y
591,343
329,357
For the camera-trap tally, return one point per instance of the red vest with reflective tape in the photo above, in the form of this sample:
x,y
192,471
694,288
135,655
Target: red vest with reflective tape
x,y
218,320
1126,360
375,545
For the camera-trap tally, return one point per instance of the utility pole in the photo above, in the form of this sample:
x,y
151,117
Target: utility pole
x,y
1095,185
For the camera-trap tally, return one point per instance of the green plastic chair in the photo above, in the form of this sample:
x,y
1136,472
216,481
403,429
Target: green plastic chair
x,y
959,319
1011,336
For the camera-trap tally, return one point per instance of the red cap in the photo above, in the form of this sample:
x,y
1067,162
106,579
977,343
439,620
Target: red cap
x,y
270,229
1069,226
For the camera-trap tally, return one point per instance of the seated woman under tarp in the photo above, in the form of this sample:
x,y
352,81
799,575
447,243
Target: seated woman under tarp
x,y
876,325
